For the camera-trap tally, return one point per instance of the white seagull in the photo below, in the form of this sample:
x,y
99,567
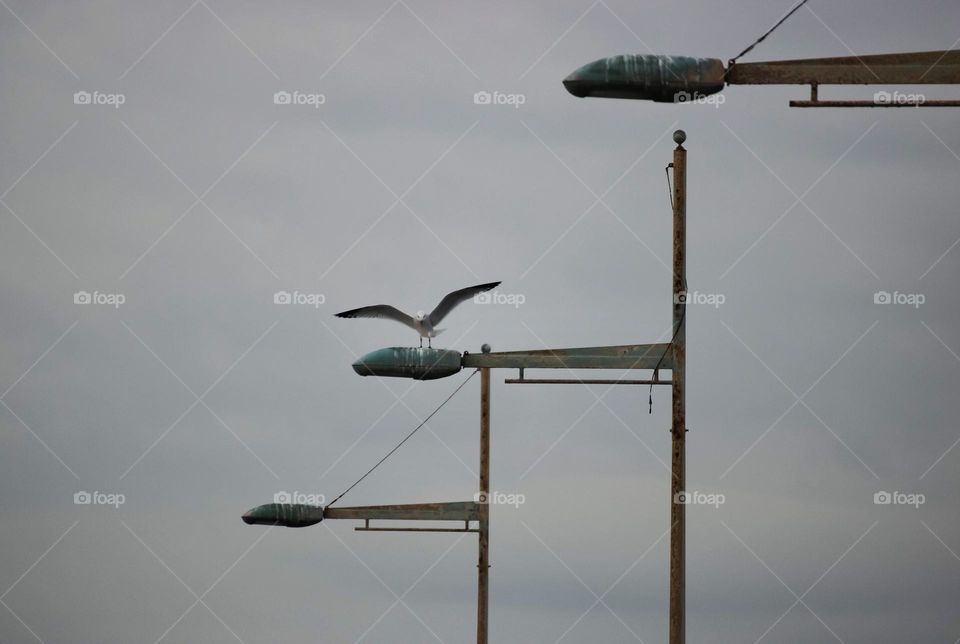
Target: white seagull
x,y
423,324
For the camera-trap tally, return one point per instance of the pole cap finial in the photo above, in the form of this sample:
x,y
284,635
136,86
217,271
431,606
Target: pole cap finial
x,y
485,348
679,136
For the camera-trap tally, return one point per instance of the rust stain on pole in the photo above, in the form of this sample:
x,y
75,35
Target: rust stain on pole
x,y
483,563
678,552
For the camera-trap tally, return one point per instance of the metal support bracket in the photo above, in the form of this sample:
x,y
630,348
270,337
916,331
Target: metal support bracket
x,y
521,380
579,381
381,529
890,100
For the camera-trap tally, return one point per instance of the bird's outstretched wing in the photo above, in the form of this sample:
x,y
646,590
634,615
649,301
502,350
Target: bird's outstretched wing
x,y
448,303
380,311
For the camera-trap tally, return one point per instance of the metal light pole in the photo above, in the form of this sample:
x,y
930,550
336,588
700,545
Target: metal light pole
x,y
483,563
426,363
682,79
678,521
663,79
478,510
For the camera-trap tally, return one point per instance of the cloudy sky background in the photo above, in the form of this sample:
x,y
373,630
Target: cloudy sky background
x,y
198,397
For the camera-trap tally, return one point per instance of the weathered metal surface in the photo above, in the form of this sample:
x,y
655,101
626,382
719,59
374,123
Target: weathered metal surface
x,y
285,514
580,381
452,511
928,58
911,103
681,79
678,525
664,79
914,68
483,542
299,516
624,356
419,363
362,529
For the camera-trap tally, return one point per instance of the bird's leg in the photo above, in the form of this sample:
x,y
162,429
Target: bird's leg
x,y
421,341
429,343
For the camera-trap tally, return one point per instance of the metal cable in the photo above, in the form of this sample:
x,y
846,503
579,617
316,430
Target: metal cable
x,y
424,422
770,31
669,187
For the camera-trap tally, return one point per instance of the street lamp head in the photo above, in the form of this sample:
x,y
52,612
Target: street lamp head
x,y
419,363
664,79
285,514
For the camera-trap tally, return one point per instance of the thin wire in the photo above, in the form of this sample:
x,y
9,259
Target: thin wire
x,y
669,187
770,31
357,482
683,315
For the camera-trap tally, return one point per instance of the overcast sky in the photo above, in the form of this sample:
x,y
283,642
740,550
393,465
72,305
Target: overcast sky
x,y
143,360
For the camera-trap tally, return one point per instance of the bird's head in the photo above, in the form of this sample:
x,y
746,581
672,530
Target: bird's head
x,y
420,315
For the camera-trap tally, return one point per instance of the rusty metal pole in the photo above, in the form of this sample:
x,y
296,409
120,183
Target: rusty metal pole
x,y
678,549
483,564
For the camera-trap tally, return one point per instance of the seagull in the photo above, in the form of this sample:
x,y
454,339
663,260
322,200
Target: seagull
x,y
423,324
